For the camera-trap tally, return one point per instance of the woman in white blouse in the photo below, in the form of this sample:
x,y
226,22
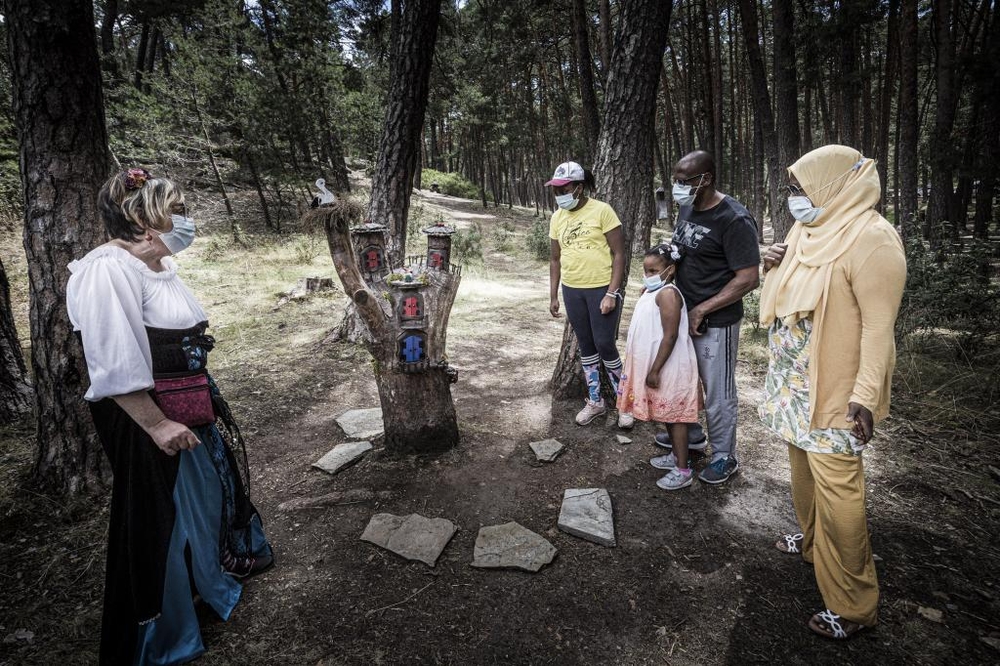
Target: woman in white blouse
x,y
180,507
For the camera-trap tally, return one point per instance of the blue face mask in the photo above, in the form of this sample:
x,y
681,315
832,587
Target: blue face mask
x,y
567,201
802,209
682,194
181,236
685,194
653,282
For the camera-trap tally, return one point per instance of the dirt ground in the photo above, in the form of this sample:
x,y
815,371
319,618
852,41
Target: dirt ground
x,y
694,578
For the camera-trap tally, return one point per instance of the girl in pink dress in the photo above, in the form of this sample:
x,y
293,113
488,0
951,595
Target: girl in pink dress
x,y
660,377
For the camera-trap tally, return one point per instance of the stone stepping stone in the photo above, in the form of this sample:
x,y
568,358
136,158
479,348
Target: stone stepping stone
x,y
547,450
413,537
586,513
622,439
362,423
342,455
511,546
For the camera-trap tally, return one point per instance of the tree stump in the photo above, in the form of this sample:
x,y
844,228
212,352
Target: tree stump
x,y
406,315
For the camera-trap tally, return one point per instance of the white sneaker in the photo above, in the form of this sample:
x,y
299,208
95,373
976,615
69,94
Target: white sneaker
x,y
590,412
675,480
625,421
667,461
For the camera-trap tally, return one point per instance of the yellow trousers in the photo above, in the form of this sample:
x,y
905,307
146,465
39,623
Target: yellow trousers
x,y
828,491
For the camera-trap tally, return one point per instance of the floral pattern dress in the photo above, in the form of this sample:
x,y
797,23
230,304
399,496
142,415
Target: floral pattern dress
x,y
785,407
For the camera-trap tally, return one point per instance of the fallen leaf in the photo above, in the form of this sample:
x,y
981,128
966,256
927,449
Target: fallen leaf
x,y
992,642
932,614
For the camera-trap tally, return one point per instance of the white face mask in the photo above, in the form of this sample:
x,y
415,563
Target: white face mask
x,y
802,209
567,201
181,236
685,194
653,282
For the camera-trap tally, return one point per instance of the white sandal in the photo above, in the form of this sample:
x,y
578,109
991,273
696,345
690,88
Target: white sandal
x,y
790,543
834,629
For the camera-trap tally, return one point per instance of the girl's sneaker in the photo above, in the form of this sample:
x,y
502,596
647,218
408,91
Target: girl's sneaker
x,y
667,461
625,421
676,479
590,412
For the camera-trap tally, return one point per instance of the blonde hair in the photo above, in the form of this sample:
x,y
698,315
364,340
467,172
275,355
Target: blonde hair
x,y
132,201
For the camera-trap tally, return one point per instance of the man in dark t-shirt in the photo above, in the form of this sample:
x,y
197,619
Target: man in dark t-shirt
x,y
717,238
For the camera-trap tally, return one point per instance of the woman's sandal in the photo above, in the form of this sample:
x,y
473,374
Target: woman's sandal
x,y
830,625
790,543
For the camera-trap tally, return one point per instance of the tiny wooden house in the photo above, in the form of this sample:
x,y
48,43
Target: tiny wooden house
x,y
409,305
438,245
369,246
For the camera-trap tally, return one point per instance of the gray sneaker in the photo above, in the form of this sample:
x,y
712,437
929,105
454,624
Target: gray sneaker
x,y
664,462
720,470
590,412
675,480
662,439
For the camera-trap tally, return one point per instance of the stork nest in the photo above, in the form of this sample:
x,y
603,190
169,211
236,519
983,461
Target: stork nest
x,y
341,214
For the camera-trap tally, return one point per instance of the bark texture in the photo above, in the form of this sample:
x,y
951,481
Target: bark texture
x,y
907,123
786,98
15,392
762,106
59,109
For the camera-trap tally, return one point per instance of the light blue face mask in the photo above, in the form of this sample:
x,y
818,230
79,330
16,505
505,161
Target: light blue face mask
x,y
802,209
654,282
181,236
567,201
682,194
685,194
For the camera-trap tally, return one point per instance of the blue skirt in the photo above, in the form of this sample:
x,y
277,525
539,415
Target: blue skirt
x,y
203,504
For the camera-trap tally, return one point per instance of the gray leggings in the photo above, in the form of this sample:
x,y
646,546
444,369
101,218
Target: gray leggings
x,y
594,331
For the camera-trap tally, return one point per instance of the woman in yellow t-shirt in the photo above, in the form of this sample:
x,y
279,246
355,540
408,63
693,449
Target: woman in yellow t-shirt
x,y
588,256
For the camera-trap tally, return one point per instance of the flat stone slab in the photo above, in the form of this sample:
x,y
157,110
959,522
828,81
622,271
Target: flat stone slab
x,y
547,450
362,423
342,455
586,513
511,546
622,439
413,537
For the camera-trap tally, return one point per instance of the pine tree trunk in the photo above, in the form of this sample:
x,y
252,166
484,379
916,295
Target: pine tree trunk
x,y
417,407
762,107
786,101
988,93
588,98
907,120
624,167
64,159
944,118
885,99
15,392
392,181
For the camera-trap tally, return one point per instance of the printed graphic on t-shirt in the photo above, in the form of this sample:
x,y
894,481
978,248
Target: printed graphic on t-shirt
x,y
690,234
575,236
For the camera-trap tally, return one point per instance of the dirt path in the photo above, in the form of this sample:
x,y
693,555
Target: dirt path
x,y
693,580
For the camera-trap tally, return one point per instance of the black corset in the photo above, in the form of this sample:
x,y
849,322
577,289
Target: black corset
x,y
179,349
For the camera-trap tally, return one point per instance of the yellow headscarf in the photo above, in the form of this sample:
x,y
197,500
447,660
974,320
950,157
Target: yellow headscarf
x,y
846,186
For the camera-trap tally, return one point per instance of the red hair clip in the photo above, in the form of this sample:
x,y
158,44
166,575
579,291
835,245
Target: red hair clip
x,y
136,178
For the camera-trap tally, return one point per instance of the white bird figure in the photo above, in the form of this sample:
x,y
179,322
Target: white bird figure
x,y
324,197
